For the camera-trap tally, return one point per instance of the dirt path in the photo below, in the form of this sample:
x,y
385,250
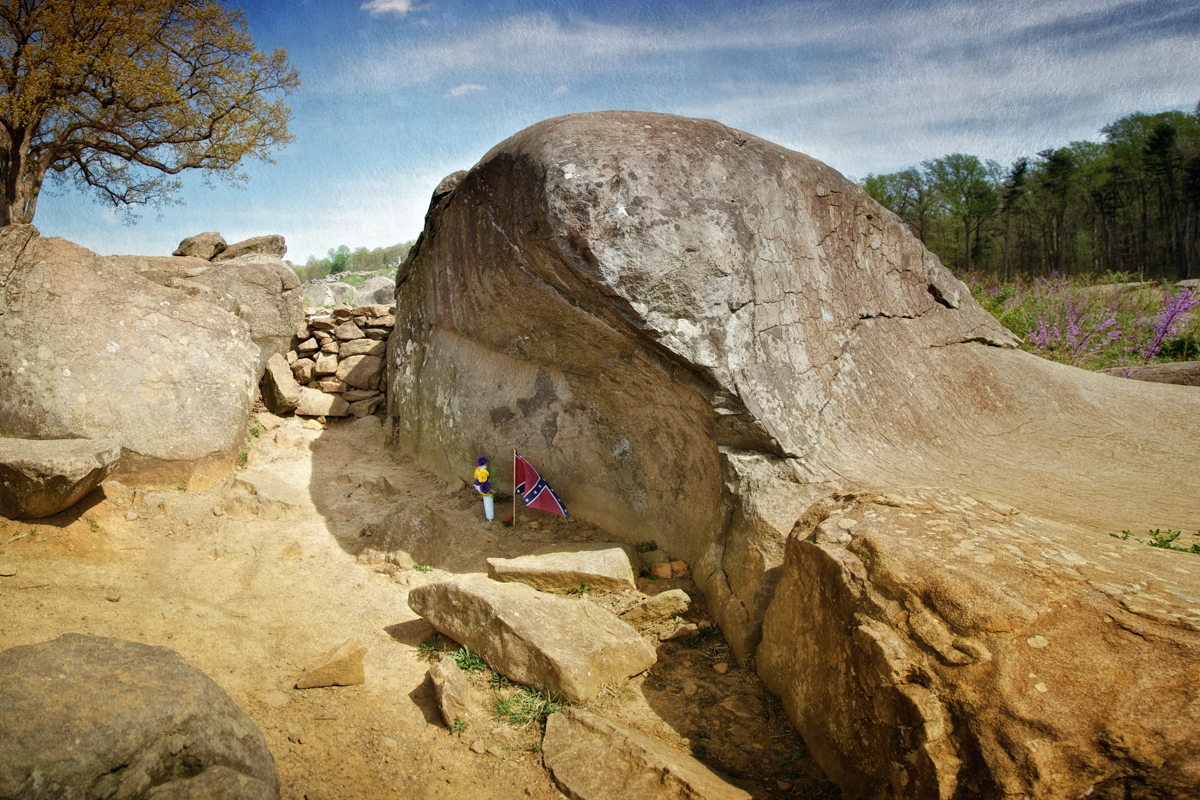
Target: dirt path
x,y
253,580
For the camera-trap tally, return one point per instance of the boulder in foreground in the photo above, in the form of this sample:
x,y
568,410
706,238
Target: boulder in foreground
x,y
592,758
41,477
85,716
566,647
984,653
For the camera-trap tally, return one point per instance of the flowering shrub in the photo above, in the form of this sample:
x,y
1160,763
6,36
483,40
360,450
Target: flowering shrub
x,y
1125,326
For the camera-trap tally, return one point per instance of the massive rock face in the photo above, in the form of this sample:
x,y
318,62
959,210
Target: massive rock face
x,y
90,350
938,646
697,335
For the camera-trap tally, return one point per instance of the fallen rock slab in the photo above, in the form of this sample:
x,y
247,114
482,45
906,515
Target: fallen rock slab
x,y
656,608
271,245
452,690
567,647
315,403
601,568
85,716
592,758
280,391
41,477
941,646
341,666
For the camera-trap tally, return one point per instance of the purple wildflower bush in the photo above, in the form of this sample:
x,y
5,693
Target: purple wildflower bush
x,y
1125,326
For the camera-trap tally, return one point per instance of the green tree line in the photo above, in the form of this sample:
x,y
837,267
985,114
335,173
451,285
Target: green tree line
x,y
343,259
1128,204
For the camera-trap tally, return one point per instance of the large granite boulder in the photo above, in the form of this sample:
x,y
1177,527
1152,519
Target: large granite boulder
x,y
697,335
268,298
378,290
85,716
328,294
92,351
941,646
41,477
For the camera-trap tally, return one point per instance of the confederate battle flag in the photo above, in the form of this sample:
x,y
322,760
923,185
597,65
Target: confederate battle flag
x,y
534,487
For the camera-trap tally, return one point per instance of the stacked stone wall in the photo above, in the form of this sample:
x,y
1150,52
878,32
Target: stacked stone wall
x,y
343,359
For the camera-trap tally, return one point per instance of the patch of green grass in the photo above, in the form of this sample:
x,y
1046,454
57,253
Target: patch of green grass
x,y
459,726
423,568
521,707
580,590
243,459
256,430
430,648
1165,540
92,526
647,546
468,660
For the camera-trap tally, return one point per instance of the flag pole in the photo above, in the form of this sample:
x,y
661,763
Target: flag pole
x,y
514,488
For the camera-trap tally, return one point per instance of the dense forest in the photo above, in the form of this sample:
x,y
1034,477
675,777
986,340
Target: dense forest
x,y
343,259
1127,205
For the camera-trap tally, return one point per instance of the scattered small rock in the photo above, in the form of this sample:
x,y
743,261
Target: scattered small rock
x,y
663,605
680,632
720,668
662,570
452,690
130,516
341,666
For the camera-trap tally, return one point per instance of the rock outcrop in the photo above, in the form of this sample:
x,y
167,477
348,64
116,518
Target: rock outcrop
x,y
946,647
41,477
89,350
271,245
86,716
267,294
379,290
202,245
565,647
697,335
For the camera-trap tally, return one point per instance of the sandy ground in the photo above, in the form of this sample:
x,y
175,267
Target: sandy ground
x,y
253,580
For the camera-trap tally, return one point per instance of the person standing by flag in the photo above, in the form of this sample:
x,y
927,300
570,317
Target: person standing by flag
x,y
483,485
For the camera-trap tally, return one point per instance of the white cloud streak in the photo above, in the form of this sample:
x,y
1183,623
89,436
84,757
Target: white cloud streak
x,y
464,88
400,7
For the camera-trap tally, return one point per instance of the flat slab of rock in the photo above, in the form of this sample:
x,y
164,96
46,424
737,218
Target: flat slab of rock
x,y
315,403
983,652
41,477
85,716
272,245
280,391
341,666
568,647
601,568
656,608
592,758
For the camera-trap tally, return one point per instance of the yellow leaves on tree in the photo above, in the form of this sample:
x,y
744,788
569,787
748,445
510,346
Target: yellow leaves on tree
x,y
121,95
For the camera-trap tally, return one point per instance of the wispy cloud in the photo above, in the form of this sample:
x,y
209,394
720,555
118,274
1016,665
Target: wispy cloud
x,y
464,88
400,7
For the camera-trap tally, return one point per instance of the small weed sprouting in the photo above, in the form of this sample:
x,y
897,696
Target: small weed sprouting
x,y
256,430
92,525
468,660
243,459
423,568
181,487
1165,540
535,748
459,726
647,546
430,648
579,591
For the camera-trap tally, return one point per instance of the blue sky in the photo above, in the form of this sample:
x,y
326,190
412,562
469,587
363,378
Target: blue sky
x,y
398,93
